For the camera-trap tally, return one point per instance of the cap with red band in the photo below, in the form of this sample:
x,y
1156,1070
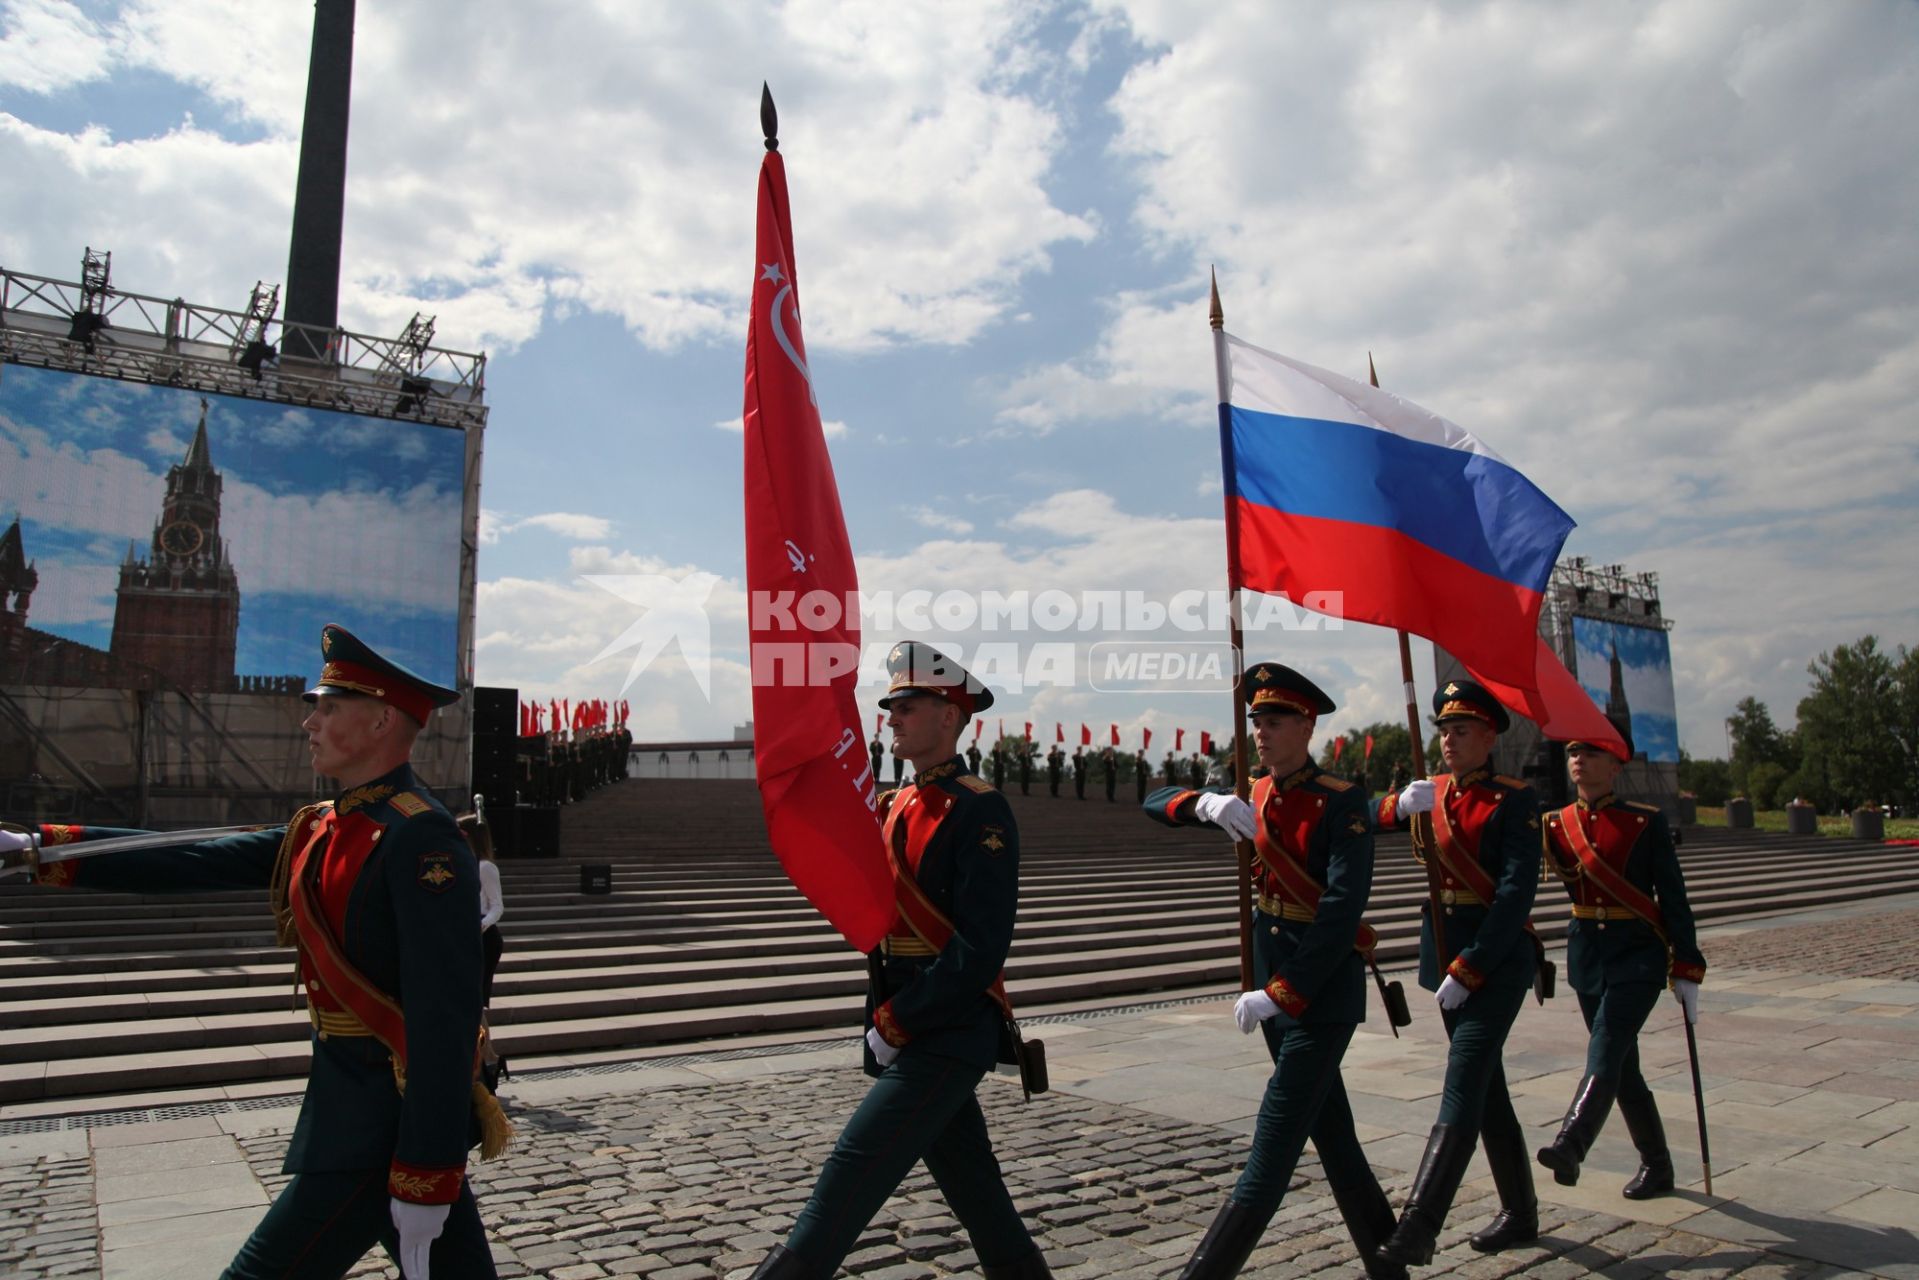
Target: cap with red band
x,y
350,666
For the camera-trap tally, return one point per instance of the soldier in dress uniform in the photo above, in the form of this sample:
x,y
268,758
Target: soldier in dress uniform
x,y
877,753
1025,767
1631,936
972,759
1315,871
1141,772
1172,770
381,893
1079,773
1109,761
1054,760
935,1010
999,767
1486,836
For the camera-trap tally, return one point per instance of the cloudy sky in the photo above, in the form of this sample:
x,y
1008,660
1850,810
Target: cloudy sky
x,y
1660,256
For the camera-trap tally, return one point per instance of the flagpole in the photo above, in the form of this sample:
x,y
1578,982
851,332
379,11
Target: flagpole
x,y
1421,824
1243,849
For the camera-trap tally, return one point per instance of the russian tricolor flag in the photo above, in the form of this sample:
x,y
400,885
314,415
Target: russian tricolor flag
x,y
1335,485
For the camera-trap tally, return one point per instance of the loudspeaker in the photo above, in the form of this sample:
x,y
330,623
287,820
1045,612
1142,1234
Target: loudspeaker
x,y
496,711
495,770
536,831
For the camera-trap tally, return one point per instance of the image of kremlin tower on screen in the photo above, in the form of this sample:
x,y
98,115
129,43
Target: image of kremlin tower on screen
x,y
177,609
176,613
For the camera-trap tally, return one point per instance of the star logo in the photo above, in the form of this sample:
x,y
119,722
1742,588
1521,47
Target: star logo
x,y
1451,690
1262,675
771,271
673,609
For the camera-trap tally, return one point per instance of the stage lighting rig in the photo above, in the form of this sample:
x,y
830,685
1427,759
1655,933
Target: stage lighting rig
x,y
91,317
250,349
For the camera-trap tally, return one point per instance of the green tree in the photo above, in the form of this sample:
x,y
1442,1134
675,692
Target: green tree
x,y
1762,784
1390,752
1847,731
1756,740
1710,781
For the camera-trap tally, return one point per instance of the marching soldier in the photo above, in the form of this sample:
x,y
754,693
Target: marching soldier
x,y
1141,772
381,894
1079,773
1315,847
1631,935
1486,834
936,1009
1054,759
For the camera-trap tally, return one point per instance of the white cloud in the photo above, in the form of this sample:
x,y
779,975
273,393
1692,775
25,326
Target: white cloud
x,y
572,525
47,45
538,170
933,519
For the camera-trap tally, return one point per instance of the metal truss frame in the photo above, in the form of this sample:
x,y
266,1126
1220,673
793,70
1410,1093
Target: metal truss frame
x,y
182,344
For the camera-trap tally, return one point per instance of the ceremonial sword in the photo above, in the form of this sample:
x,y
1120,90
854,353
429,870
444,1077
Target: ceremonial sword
x,y
147,840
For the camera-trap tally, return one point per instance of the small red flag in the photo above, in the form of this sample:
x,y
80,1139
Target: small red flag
x,y
1085,736
1369,746
1339,745
1029,730
1179,740
1116,735
1205,743
1059,732
977,726
1146,740
816,782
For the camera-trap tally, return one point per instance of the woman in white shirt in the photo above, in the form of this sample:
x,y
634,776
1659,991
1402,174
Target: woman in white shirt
x,y
492,907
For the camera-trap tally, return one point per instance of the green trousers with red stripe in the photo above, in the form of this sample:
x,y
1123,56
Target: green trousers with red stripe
x,y
922,1108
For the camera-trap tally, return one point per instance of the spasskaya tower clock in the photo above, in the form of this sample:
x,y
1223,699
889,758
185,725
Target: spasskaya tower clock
x,y
177,609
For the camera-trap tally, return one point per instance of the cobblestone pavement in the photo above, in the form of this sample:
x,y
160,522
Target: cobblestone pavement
x,y
1881,945
692,1170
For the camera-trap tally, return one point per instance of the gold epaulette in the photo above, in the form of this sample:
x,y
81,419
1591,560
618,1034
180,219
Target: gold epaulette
x,y
885,801
1509,782
973,783
1640,805
1333,782
409,804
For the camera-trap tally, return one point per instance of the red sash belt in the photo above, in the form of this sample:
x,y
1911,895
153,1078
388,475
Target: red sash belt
x,y
919,813
1608,879
1294,880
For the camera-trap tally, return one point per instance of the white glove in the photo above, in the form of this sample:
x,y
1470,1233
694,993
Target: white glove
x,y
883,1052
1227,812
15,849
419,1226
1452,993
1253,1008
1686,991
1417,797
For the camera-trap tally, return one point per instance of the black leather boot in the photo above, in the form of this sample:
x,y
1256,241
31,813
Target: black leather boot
x,y
1517,1221
1655,1158
1592,1103
783,1264
1223,1250
1369,1219
1031,1267
1440,1171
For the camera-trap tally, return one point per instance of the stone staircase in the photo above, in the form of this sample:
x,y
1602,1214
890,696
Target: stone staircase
x,y
703,937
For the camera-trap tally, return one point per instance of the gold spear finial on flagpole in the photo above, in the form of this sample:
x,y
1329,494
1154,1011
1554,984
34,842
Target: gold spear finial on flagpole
x,y
769,118
1218,313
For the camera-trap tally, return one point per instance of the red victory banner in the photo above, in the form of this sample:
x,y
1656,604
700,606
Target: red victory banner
x,y
816,783
1145,739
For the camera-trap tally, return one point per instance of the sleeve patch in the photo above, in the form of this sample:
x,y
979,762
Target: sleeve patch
x,y
436,872
994,840
1357,826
